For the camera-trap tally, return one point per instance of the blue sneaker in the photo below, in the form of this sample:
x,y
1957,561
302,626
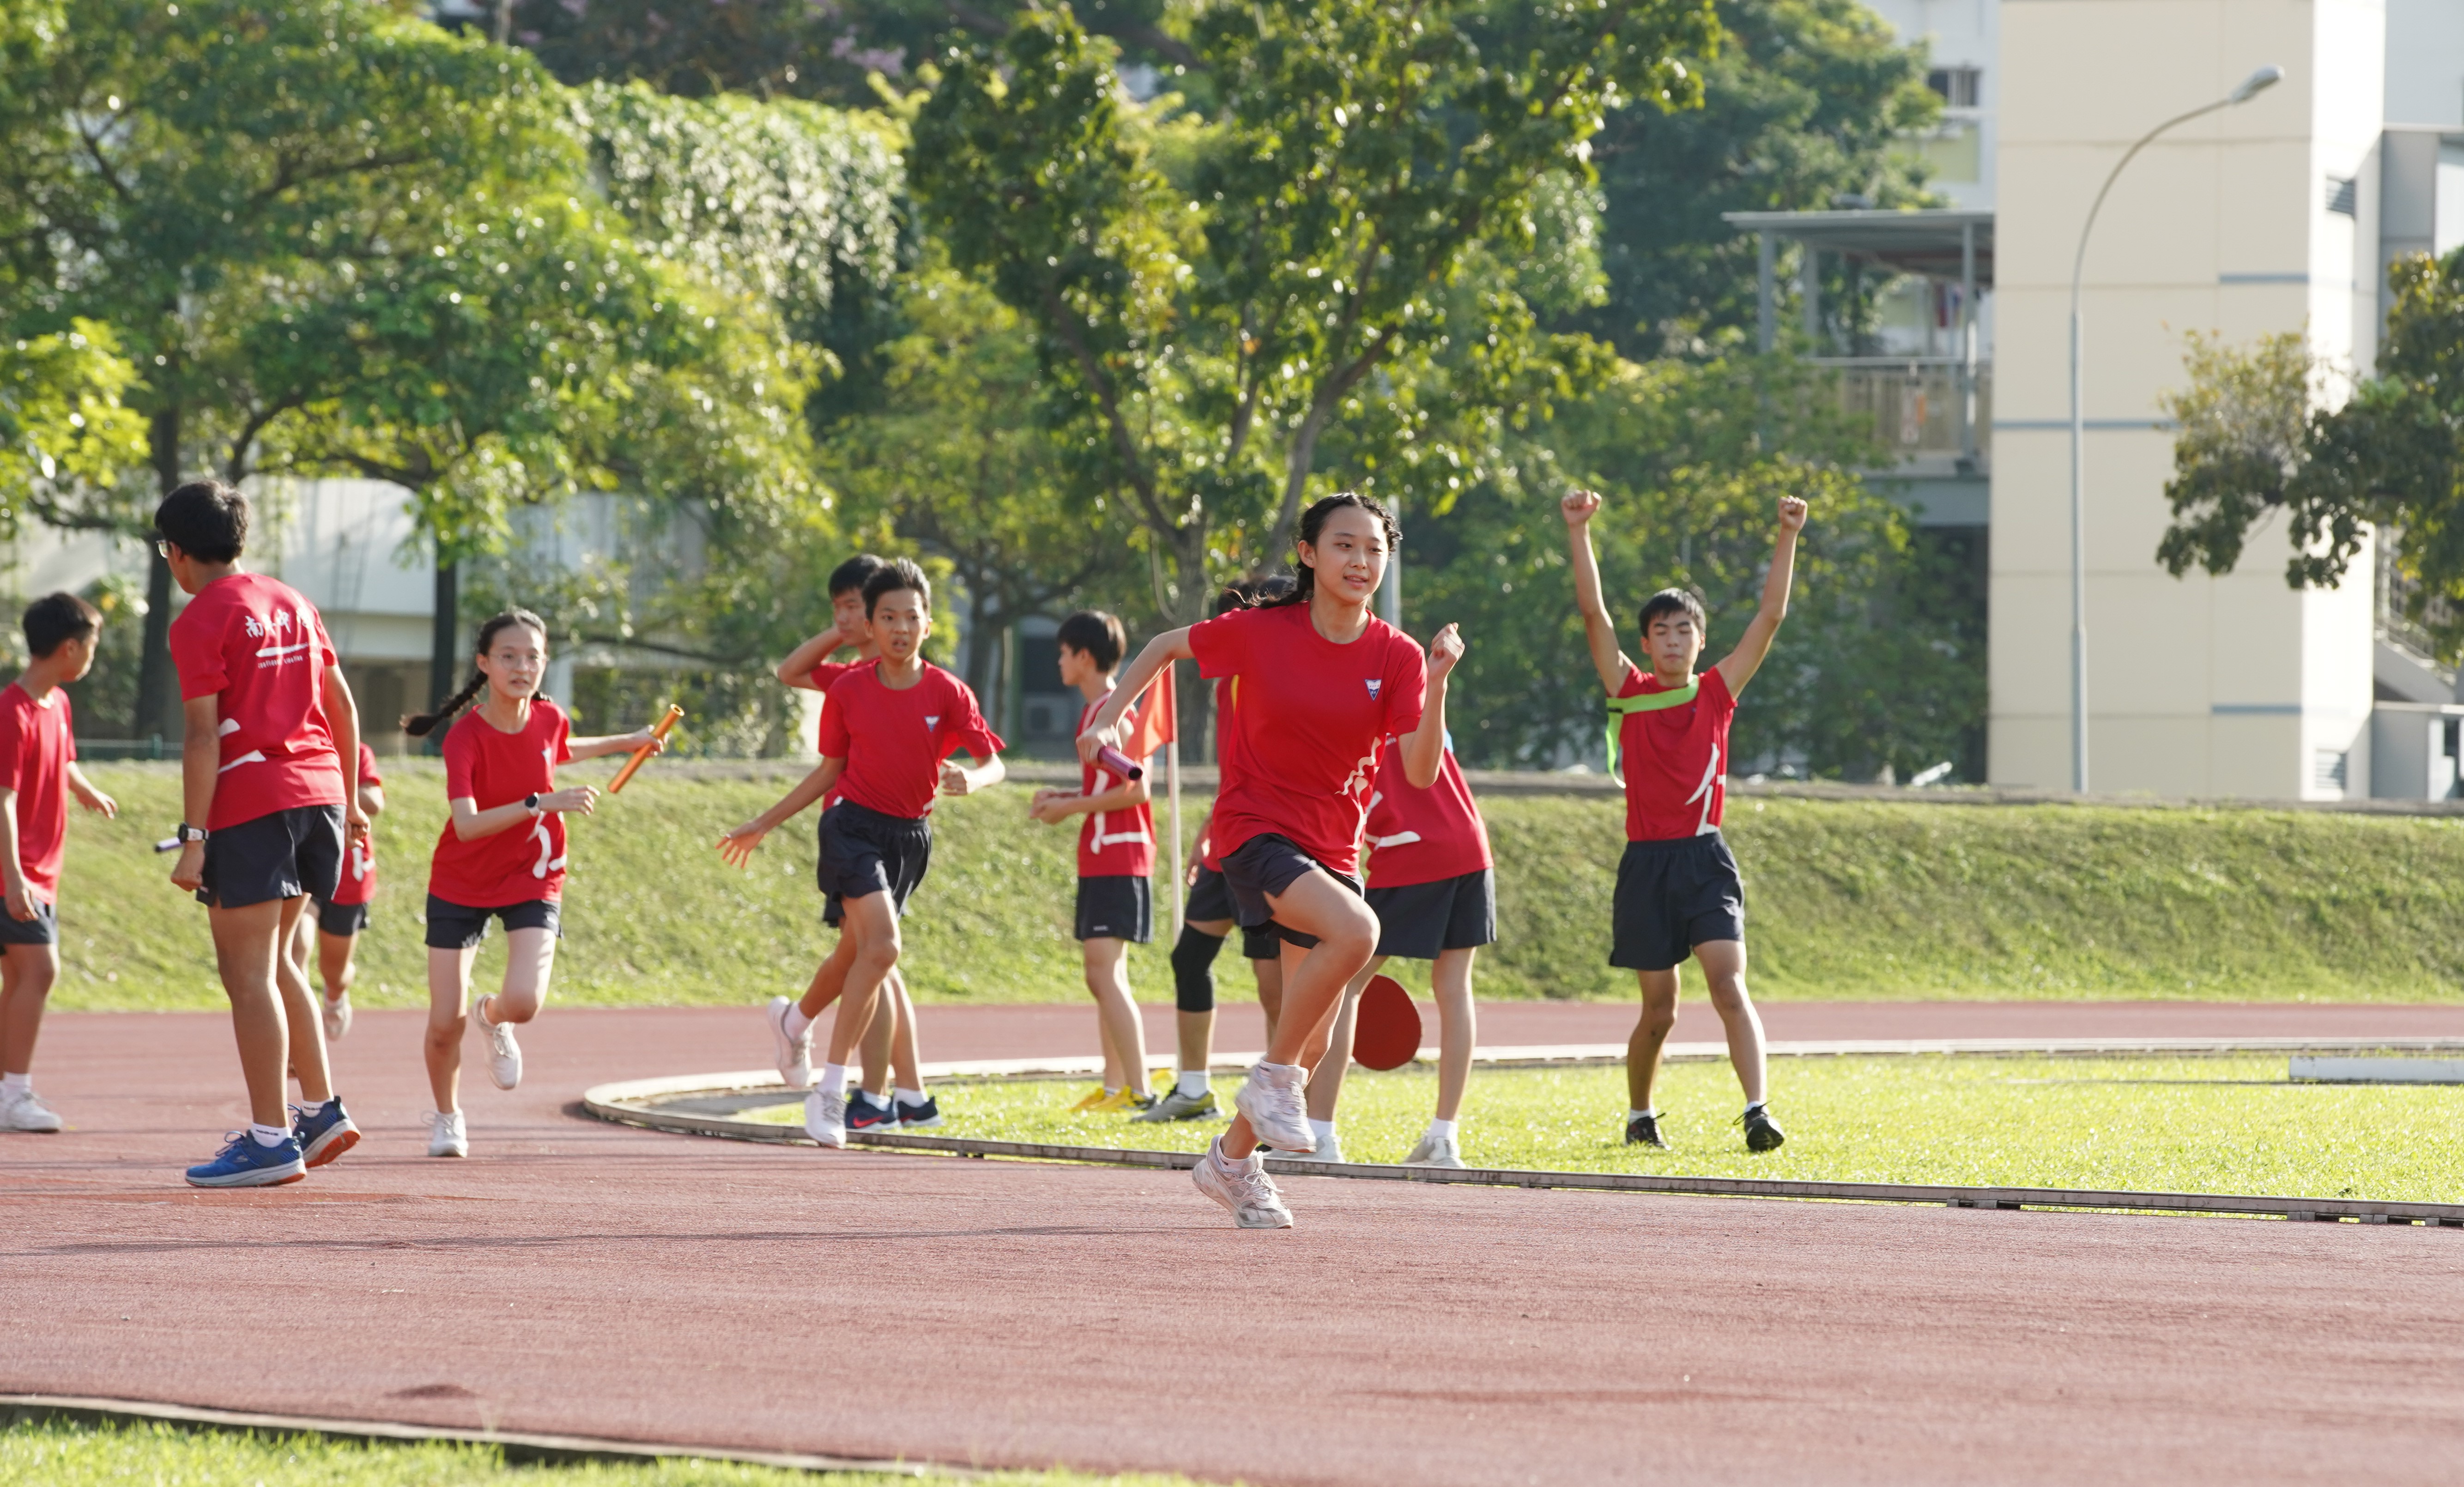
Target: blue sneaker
x,y
323,1132
244,1164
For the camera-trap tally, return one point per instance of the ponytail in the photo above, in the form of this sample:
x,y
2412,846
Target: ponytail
x,y
419,724
1312,522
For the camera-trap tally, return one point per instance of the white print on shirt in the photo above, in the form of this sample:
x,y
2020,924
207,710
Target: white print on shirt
x,y
1703,793
1372,683
931,720
544,865
1104,783
1362,774
360,863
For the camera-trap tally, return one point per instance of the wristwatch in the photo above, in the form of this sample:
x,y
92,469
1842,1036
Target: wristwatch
x,y
188,834
530,803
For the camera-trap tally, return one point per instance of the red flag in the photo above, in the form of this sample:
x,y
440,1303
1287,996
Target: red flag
x,y
1155,721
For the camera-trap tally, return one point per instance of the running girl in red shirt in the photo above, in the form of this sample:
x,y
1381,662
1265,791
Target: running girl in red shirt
x,y
887,734
1678,888
1116,867
1323,682
890,1041
502,856
1434,888
337,922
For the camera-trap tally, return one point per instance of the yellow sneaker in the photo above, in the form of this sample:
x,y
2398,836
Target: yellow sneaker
x,y
1095,1100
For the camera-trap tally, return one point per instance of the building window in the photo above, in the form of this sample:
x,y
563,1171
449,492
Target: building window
x,y
1959,86
2341,195
2327,770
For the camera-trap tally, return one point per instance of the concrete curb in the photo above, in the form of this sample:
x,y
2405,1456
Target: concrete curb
x,y
516,1445
642,1103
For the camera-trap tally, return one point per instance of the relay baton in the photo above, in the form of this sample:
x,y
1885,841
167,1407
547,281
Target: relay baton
x,y
1119,763
167,844
659,731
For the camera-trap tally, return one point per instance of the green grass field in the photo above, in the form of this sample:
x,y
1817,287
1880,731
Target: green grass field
x,y
55,1454
2220,1124
1845,900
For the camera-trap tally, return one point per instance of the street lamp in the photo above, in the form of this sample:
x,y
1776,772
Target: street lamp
x,y
2251,87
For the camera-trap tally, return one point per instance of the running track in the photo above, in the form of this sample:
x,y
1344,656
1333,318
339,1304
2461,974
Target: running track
x,y
581,1277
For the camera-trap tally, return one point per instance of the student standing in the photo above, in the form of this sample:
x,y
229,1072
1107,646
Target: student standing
x,y
889,731
37,774
331,928
1323,682
1115,905
1433,885
502,856
269,783
1678,890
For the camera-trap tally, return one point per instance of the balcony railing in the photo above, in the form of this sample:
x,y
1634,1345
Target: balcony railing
x,y
1920,407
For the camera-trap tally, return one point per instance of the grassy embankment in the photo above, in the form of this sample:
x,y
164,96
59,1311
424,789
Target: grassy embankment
x,y
1846,900
76,1456
2143,1125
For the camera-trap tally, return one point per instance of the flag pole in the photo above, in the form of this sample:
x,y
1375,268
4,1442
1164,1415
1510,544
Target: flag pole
x,y
1172,786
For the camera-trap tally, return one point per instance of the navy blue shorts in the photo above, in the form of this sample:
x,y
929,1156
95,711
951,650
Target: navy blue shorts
x,y
279,855
44,928
1672,896
453,925
1419,920
865,852
1210,902
1268,864
1116,906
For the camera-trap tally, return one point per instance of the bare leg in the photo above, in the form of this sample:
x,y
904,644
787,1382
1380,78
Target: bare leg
x,y
1108,981
1458,1028
881,1036
906,1050
301,1007
337,962
1312,980
248,941
830,977
530,960
27,973
448,986
1326,1075
1270,992
1658,1019
873,925
1724,969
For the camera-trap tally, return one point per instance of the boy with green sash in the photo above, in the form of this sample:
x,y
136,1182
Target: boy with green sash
x,y
1678,890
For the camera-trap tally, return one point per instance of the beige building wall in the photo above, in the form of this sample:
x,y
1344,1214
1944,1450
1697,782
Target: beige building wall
x,y
2235,685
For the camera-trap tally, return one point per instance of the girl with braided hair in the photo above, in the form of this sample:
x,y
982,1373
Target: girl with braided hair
x,y
503,855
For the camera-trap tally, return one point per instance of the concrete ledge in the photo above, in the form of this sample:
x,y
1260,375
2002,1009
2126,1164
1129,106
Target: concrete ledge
x,y
2379,1071
516,1445
640,1103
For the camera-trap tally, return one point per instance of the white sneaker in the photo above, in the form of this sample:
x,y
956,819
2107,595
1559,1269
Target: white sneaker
x,y
1243,1188
446,1136
337,1016
1330,1149
504,1055
1435,1151
794,1053
1271,1098
24,1111
825,1118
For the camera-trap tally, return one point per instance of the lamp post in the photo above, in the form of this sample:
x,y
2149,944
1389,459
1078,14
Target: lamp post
x,y
2251,87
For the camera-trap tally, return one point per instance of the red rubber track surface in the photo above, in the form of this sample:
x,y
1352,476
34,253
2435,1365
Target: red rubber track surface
x,y
595,1280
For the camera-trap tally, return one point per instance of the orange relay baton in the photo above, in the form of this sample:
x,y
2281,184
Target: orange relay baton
x,y
641,755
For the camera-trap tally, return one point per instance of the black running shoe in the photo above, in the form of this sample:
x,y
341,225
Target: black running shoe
x,y
912,1116
1644,1130
1762,1133
864,1115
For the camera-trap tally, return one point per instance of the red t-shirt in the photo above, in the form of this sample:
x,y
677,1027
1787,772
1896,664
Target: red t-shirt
x,y
1112,843
256,642
1423,835
1676,758
37,744
1303,745
825,676
492,768
894,741
359,883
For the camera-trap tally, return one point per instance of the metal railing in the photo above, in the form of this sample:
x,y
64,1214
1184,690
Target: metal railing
x,y
1919,405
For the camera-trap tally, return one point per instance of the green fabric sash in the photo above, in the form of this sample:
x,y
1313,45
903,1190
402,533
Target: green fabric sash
x,y
1644,702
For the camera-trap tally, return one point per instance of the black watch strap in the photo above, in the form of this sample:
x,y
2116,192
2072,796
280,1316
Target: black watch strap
x,y
530,803
187,833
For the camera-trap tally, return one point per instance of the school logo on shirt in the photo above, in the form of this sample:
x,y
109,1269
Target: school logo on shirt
x,y
931,720
1372,683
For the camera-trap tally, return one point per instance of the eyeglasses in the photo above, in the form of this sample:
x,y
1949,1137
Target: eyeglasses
x,y
164,549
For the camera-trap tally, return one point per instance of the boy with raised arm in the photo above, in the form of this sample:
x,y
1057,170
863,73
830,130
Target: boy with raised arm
x,y
1678,890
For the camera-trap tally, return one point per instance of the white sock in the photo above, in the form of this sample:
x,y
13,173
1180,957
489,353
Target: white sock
x,y
1635,1115
1193,1083
479,1012
1323,1130
1441,1131
833,1081
1752,1106
17,1083
907,1096
798,1024
1110,1091
872,1101
269,1135
1281,1073
1234,1164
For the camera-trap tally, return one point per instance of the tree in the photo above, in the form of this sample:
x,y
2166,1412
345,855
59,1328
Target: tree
x,y
2259,438
1216,294
67,441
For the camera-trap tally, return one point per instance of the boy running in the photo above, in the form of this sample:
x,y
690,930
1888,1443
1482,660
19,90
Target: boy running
x,y
887,734
37,773
337,922
1115,866
1678,890
270,769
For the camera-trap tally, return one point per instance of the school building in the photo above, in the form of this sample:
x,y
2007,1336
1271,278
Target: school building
x,y
2277,214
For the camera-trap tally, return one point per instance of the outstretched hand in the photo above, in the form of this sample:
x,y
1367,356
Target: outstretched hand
x,y
737,845
1578,507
